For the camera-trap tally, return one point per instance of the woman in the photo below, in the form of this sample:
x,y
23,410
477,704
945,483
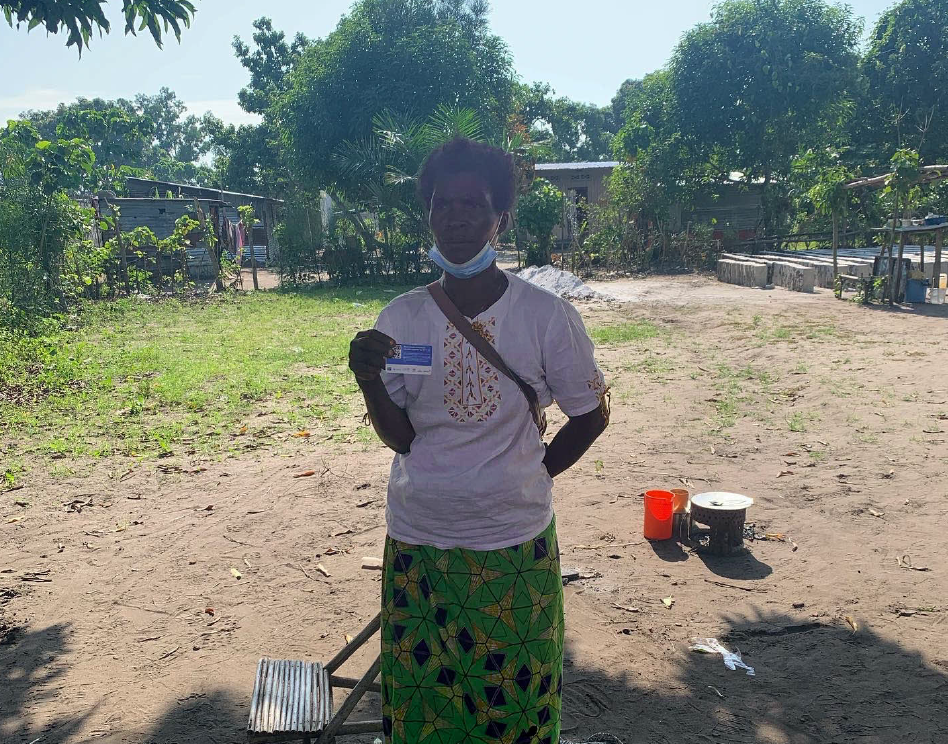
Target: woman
x,y
472,600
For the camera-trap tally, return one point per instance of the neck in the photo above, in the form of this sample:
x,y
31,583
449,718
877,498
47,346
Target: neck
x,y
474,295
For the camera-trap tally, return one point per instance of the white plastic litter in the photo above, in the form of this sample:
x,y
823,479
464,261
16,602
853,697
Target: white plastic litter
x,y
561,283
732,659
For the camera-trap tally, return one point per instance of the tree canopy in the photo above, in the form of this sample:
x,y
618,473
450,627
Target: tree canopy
x,y
906,70
80,18
410,57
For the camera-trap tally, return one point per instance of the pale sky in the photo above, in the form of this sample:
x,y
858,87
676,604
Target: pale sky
x,y
585,50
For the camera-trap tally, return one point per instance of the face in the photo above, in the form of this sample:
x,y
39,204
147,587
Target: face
x,y
463,217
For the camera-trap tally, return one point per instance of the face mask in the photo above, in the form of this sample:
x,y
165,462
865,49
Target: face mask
x,y
480,263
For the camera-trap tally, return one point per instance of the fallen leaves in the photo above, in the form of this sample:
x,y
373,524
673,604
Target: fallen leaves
x,y
633,610
307,474
851,622
668,602
877,514
14,520
785,473
322,569
302,434
372,564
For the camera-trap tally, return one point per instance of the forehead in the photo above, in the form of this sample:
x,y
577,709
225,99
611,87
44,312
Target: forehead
x,y
462,185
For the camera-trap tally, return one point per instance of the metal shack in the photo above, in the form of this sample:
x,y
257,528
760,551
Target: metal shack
x,y
158,205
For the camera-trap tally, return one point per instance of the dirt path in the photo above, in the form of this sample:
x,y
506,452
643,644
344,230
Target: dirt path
x,y
831,416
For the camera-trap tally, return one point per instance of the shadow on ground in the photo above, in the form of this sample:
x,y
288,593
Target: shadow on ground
x,y
31,666
815,683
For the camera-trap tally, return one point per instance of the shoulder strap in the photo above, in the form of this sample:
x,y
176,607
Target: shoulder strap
x,y
486,350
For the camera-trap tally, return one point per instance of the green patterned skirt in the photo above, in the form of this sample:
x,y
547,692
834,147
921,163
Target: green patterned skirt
x,y
472,643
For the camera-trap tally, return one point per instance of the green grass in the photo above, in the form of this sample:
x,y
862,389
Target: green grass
x,y
151,378
625,333
797,423
792,333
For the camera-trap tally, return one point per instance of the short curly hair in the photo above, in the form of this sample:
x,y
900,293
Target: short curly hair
x,y
462,155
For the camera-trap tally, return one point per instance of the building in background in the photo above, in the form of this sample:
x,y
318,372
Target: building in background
x,y
733,208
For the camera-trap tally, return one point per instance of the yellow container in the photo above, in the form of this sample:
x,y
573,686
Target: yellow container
x,y
943,281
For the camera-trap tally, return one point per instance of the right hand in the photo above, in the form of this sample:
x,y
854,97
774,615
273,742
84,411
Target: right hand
x,y
367,354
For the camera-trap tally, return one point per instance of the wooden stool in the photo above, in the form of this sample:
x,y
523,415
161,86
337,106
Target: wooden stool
x,y
292,700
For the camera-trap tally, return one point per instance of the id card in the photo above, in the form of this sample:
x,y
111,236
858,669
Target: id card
x,y
410,359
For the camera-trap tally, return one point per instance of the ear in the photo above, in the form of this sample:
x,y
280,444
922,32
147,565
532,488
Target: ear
x,y
505,222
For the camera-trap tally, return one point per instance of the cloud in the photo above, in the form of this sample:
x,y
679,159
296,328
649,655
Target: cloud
x,y
49,98
40,98
224,108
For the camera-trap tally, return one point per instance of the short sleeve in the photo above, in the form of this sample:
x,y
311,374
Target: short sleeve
x,y
569,363
394,383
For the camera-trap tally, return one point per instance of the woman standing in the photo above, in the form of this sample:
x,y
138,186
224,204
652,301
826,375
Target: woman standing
x,y
472,599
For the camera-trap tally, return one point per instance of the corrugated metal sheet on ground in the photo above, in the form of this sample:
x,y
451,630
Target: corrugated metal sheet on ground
x,y
289,696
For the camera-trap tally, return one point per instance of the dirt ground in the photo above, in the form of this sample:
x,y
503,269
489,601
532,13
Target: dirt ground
x,y
831,416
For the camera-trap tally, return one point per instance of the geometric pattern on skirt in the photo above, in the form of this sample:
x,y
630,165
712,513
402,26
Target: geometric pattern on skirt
x,y
472,643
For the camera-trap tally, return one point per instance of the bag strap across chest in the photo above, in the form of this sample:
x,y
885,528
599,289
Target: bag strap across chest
x,y
487,351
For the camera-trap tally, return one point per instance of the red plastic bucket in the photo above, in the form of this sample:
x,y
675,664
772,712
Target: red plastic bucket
x,y
659,515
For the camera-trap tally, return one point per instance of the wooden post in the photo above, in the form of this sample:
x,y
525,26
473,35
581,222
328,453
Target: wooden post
x,y
835,243
936,277
210,249
887,249
123,257
898,269
253,254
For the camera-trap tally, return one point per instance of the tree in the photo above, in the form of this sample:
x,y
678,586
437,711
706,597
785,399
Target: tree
x,y
764,75
378,175
390,55
81,17
572,131
42,230
268,64
663,166
906,67
148,137
538,212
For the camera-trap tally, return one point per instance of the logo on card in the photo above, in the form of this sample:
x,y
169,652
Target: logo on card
x,y
410,359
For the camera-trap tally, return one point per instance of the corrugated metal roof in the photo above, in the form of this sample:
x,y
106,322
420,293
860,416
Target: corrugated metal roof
x,y
611,164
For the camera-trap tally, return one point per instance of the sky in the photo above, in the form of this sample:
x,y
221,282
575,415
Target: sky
x,y
585,50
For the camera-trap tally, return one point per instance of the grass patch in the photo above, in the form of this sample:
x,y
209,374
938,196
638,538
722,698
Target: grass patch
x,y
143,378
795,332
797,423
625,333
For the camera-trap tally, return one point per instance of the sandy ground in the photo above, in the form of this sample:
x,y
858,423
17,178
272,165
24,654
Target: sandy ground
x,y
113,639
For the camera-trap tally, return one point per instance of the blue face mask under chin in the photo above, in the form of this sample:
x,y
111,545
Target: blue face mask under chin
x,y
471,268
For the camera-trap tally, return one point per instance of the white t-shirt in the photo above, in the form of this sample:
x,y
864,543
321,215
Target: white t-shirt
x,y
474,477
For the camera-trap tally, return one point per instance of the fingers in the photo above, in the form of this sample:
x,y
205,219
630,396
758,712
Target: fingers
x,y
376,337
368,352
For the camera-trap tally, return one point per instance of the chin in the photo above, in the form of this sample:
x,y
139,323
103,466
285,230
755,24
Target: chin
x,y
459,254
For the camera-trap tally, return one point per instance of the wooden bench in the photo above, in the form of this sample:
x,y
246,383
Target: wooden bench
x,y
292,700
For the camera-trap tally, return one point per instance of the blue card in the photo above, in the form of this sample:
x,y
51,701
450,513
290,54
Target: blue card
x,y
410,359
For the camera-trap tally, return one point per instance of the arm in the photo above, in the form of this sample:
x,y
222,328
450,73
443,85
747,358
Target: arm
x,y
573,440
390,422
367,354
